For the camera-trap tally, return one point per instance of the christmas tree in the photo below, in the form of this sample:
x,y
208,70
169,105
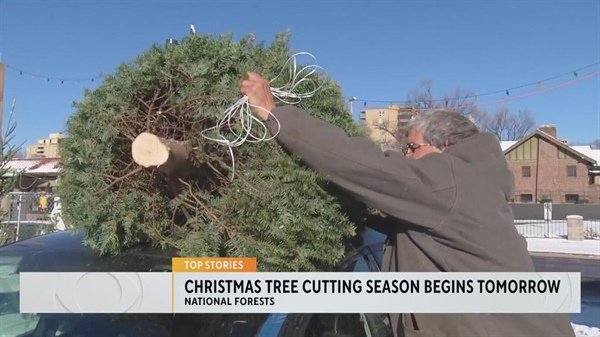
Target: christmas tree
x,y
194,194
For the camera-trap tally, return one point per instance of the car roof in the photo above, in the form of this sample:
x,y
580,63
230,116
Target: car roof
x,y
48,243
74,242
66,252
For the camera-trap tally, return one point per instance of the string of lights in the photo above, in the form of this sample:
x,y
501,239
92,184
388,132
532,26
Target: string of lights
x,y
62,80
537,92
540,83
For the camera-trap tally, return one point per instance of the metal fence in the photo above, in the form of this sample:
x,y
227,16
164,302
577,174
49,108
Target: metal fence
x,y
555,228
548,220
29,214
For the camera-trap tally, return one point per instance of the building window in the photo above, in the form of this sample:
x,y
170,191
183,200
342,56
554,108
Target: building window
x,y
571,171
526,198
526,171
572,198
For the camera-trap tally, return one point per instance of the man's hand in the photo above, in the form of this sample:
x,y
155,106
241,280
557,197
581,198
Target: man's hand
x,y
259,95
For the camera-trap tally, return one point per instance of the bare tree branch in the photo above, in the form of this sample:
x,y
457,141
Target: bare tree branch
x,y
503,123
509,126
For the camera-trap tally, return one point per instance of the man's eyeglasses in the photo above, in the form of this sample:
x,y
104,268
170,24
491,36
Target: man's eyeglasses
x,y
412,147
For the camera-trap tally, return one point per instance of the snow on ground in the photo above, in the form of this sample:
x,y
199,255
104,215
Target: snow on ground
x,y
553,228
585,331
564,246
551,237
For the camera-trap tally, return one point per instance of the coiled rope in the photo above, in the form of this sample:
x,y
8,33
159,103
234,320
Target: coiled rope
x,y
241,111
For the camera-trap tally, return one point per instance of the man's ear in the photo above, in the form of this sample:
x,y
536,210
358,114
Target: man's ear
x,y
443,148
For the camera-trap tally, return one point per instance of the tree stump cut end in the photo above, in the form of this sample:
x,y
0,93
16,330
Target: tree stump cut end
x,y
148,150
169,156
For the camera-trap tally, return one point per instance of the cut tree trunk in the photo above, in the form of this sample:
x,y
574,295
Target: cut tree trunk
x,y
167,155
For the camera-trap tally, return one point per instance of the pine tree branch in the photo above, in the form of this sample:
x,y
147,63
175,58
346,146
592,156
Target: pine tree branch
x,y
175,190
117,179
214,217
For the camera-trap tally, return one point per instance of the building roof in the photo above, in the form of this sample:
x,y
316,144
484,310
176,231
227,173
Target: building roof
x,y
588,151
35,165
505,144
584,152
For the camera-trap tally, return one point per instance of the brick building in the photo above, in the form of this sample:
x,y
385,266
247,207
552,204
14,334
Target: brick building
x,y
547,168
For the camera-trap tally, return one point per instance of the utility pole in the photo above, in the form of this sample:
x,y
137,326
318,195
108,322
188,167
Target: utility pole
x,y
1,95
351,101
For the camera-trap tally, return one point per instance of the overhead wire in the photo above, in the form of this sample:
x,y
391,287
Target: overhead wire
x,y
48,78
513,98
240,114
476,96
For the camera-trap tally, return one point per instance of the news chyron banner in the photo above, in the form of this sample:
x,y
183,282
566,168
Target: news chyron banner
x,y
233,285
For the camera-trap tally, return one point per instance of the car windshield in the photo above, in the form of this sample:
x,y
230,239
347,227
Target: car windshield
x,y
13,323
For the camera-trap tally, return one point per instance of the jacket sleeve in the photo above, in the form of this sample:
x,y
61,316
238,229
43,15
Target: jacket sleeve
x,y
390,183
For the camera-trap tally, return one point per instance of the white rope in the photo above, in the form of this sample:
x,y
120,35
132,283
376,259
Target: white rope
x,y
242,109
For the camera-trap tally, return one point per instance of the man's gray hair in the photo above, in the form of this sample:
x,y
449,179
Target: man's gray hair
x,y
442,128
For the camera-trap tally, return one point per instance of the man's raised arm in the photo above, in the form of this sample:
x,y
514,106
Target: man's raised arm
x,y
357,164
388,183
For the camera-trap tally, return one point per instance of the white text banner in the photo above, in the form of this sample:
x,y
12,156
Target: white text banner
x,y
258,292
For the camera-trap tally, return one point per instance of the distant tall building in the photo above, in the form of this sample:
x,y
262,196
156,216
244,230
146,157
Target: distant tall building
x,y
383,123
46,147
